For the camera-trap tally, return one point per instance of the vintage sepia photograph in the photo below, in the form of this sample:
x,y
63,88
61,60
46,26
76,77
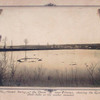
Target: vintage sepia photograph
x,y
50,45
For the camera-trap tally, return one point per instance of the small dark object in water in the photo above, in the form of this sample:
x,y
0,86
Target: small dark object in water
x,y
49,78
32,61
19,60
73,64
39,59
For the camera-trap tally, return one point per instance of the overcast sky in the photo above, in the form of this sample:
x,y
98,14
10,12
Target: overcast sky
x,y
53,25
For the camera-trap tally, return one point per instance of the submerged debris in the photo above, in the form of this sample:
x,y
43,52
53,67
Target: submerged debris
x,y
29,59
73,64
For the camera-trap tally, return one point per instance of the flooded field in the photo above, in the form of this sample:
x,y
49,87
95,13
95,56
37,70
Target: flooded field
x,y
53,68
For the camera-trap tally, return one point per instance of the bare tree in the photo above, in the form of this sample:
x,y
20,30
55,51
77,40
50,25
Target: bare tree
x,y
3,70
0,38
25,41
91,70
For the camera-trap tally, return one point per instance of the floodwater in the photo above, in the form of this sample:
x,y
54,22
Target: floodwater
x,y
53,67
55,59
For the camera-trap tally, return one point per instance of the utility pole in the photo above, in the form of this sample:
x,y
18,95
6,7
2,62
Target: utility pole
x,y
11,44
11,51
5,40
26,42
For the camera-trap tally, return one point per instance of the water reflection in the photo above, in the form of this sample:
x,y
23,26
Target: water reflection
x,y
56,59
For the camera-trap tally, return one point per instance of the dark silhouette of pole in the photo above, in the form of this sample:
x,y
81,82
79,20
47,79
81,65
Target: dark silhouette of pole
x,y
25,41
5,40
11,44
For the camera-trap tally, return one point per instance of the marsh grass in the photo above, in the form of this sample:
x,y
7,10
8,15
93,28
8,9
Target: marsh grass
x,y
10,75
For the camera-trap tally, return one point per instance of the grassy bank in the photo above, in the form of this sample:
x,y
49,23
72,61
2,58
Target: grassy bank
x,y
12,75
